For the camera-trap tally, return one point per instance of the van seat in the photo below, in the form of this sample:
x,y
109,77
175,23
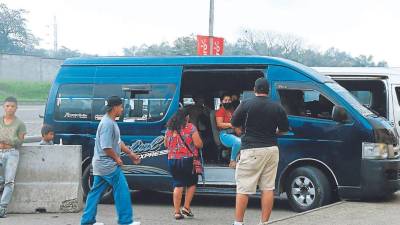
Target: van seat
x,y
214,129
215,133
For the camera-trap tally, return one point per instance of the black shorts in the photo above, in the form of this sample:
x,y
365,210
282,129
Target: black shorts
x,y
182,172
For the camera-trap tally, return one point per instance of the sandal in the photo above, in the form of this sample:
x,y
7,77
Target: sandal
x,y
178,216
187,212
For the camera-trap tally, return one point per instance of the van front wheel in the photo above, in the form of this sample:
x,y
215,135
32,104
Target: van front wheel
x,y
87,182
308,188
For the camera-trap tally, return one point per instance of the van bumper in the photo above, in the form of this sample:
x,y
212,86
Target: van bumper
x,y
379,178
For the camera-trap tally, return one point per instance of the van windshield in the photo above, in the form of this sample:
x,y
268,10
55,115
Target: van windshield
x,y
350,99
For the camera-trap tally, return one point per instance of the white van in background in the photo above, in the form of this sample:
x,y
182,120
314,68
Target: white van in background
x,y
378,88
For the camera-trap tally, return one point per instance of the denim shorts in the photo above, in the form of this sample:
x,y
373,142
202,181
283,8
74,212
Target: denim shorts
x,y
182,172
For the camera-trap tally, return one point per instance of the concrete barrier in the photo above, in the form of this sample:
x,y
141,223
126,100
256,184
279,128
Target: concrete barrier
x,y
48,180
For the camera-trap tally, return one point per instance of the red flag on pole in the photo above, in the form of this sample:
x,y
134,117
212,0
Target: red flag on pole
x,y
203,45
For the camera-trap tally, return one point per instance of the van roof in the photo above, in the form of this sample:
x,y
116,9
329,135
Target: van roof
x,y
177,60
383,72
196,60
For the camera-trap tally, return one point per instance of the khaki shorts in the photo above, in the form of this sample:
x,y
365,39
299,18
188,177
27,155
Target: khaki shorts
x,y
257,166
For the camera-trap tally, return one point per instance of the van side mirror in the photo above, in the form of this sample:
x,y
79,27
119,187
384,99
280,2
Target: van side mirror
x,y
339,114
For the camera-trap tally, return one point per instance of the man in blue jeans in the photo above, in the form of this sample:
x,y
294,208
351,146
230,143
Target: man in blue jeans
x,y
12,133
107,164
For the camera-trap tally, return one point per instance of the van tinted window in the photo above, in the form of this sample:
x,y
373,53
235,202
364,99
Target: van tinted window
x,y
101,93
147,103
306,103
74,102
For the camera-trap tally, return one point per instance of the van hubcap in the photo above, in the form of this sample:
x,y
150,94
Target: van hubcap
x,y
303,191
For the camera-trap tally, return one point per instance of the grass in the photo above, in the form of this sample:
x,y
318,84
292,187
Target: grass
x,y
25,91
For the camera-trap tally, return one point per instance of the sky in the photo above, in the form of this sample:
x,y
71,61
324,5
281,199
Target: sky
x,y
105,27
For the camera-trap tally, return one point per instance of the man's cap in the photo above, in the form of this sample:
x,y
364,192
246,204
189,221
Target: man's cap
x,y
113,101
261,85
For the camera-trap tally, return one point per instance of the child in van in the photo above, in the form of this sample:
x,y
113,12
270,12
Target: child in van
x,y
47,135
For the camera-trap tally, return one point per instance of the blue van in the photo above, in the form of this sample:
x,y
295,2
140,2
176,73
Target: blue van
x,y
336,146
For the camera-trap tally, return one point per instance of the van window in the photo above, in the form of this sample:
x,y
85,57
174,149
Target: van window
x,y
101,93
398,94
365,97
306,103
147,103
74,102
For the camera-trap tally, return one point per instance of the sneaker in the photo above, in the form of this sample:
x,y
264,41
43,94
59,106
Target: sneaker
x,y
237,223
187,212
3,212
135,223
263,223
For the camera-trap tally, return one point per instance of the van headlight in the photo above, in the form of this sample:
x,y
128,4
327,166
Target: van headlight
x,y
374,150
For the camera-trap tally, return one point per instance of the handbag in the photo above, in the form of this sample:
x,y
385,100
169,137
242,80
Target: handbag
x,y
197,166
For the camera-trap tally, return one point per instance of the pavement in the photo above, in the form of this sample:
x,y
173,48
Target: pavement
x,y
385,211
152,208
156,209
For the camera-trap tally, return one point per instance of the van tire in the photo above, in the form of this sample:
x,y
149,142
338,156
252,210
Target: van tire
x,y
312,189
107,198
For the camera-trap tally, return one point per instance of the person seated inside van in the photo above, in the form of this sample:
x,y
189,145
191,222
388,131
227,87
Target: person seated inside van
x,y
235,97
228,135
320,109
235,101
293,102
199,113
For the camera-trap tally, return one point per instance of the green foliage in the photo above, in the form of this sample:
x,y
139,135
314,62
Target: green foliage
x,y
25,90
14,35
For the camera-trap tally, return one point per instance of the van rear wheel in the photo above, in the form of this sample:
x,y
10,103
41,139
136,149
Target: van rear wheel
x,y
87,182
308,188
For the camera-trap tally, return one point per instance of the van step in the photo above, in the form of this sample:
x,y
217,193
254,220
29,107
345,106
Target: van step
x,y
219,176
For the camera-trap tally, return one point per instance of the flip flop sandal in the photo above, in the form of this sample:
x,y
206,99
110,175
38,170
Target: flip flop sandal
x,y
187,212
178,216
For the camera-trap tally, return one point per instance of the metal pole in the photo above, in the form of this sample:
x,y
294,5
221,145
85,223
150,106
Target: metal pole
x,y
55,36
211,25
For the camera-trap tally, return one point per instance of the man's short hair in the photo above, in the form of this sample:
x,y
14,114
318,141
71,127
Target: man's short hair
x,y
46,129
11,99
261,86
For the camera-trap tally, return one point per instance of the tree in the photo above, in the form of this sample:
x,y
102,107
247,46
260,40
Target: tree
x,y
185,45
15,37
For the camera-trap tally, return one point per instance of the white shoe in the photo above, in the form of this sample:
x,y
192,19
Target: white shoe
x,y
135,223
97,223
237,223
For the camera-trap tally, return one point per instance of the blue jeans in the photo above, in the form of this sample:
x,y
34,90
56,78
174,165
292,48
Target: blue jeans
x,y
122,198
9,161
231,141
